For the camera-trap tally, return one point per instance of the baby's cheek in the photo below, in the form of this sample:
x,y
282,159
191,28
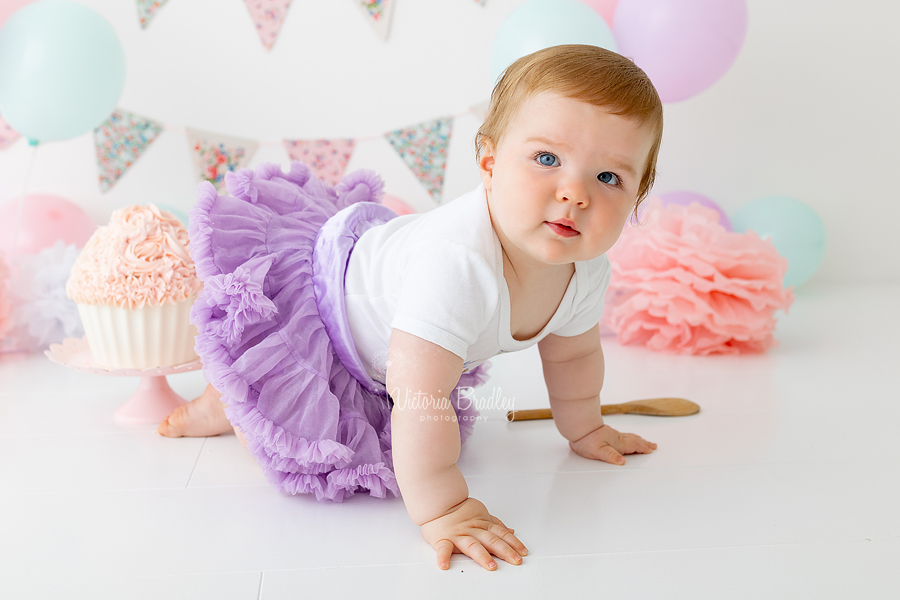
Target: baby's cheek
x,y
518,224
608,237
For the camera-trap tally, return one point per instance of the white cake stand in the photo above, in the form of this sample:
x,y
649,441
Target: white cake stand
x,y
153,401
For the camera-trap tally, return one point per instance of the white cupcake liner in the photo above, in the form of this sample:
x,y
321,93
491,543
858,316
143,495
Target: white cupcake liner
x,y
152,336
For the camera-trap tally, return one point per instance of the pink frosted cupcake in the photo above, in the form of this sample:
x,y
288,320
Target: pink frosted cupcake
x,y
134,283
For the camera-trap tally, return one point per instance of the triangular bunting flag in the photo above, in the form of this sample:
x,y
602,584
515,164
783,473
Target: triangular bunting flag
x,y
214,154
327,159
8,136
424,149
120,140
268,15
379,14
147,9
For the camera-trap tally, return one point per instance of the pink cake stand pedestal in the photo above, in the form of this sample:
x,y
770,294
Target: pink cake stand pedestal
x,y
153,400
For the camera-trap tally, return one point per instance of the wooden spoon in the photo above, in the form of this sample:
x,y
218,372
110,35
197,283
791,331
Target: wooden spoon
x,y
661,407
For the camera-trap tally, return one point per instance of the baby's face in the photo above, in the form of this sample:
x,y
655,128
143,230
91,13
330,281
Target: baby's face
x,y
564,179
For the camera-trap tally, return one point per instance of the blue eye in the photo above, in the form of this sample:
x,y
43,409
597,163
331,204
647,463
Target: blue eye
x,y
608,178
547,159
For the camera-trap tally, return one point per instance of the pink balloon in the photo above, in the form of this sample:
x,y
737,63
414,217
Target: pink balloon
x,y
688,198
397,205
8,7
684,46
45,219
606,8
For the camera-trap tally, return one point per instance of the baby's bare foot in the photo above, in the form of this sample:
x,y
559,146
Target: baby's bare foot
x,y
201,417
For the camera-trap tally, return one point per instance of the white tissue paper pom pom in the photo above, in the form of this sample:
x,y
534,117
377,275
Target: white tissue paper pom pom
x,y
42,313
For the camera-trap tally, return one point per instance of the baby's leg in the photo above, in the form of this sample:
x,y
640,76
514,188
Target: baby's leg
x,y
203,416
240,437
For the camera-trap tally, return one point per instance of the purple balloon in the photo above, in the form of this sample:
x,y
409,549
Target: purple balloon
x,y
688,198
684,46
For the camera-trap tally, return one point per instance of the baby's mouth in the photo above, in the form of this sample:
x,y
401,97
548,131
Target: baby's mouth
x,y
563,228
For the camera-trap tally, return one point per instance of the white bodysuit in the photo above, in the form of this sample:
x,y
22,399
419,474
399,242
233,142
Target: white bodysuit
x,y
439,276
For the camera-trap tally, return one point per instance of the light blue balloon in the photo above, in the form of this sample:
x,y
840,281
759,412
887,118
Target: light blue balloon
x,y
539,24
795,229
62,70
179,214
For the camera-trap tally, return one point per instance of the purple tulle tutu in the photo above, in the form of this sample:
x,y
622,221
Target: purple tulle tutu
x,y
273,334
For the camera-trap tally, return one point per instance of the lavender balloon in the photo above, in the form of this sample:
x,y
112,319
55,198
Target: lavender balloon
x,y
688,198
684,46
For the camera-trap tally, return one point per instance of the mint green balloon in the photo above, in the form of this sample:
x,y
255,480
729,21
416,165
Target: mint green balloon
x,y
539,24
795,229
62,70
179,214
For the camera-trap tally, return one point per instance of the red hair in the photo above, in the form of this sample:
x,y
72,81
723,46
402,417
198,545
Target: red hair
x,y
587,73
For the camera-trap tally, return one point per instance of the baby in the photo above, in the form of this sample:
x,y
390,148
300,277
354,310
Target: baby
x,y
341,337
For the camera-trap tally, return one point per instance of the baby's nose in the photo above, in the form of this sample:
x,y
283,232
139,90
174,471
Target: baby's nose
x,y
573,189
580,198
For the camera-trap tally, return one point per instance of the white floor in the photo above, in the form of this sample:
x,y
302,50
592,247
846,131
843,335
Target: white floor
x,y
785,485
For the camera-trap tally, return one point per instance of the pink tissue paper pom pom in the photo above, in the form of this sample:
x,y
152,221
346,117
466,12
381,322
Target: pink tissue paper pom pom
x,y
5,304
683,284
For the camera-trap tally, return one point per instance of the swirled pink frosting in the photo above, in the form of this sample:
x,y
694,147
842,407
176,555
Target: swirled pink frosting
x,y
140,259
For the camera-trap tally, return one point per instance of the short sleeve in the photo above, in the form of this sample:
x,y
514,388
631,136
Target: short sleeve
x,y
448,294
589,308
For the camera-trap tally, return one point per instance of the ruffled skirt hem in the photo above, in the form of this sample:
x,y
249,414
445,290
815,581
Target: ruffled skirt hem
x,y
313,427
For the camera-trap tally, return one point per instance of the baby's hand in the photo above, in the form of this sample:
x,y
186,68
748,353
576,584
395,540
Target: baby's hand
x,y
609,445
470,529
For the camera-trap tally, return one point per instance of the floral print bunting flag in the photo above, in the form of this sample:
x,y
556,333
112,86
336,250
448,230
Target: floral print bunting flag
x,y
120,141
424,149
379,14
268,16
214,155
327,159
147,9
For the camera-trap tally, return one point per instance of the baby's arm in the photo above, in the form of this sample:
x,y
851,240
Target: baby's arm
x,y
573,372
426,445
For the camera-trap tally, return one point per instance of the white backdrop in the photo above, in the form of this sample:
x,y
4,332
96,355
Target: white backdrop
x,y
809,109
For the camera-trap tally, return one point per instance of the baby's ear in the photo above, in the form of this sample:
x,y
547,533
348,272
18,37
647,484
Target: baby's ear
x,y
486,162
486,158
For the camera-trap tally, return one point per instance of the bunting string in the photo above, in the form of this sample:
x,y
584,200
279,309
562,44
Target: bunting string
x,y
124,137
268,15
